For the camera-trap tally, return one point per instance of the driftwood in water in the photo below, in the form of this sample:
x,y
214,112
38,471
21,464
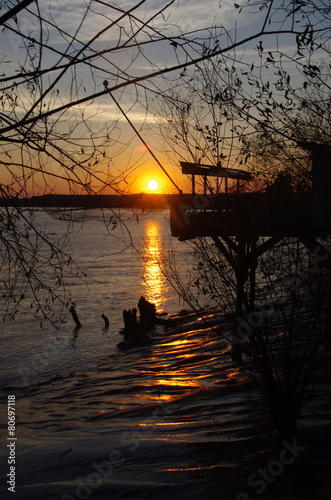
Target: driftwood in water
x,y
135,333
130,318
147,311
135,337
75,317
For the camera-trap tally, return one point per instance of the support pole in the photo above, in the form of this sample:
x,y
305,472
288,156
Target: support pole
x,y
327,333
241,274
252,275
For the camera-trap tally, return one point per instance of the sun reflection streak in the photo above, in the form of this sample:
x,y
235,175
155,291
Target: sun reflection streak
x,y
154,280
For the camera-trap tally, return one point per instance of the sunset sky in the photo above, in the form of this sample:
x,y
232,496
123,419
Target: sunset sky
x,y
125,151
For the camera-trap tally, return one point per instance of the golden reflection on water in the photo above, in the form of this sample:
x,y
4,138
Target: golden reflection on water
x,y
169,384
177,382
154,280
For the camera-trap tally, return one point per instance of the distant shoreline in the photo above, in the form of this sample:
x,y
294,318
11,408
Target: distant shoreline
x,y
145,201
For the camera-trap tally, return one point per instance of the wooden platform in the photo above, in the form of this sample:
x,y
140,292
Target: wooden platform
x,y
276,212
244,225
246,214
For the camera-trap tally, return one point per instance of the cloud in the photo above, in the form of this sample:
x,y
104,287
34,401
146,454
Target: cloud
x,y
180,17
142,148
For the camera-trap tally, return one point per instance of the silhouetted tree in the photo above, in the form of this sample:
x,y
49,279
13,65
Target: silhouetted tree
x,y
56,82
254,108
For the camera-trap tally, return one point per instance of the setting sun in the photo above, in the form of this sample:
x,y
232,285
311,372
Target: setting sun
x,y
153,185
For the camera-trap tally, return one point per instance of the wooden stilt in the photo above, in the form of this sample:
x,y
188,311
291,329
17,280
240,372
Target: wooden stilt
x,y
241,274
252,275
327,335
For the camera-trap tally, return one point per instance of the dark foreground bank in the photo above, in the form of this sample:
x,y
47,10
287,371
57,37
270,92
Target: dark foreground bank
x,y
172,419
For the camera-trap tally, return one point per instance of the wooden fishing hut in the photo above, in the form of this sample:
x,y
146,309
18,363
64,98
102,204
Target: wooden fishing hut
x,y
244,225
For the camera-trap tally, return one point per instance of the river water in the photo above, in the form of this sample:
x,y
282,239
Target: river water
x,y
120,266
174,418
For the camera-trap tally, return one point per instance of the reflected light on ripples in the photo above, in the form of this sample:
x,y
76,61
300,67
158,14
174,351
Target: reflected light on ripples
x,y
178,381
154,281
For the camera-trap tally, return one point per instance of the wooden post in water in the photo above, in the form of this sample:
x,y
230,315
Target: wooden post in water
x,y
75,317
106,320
